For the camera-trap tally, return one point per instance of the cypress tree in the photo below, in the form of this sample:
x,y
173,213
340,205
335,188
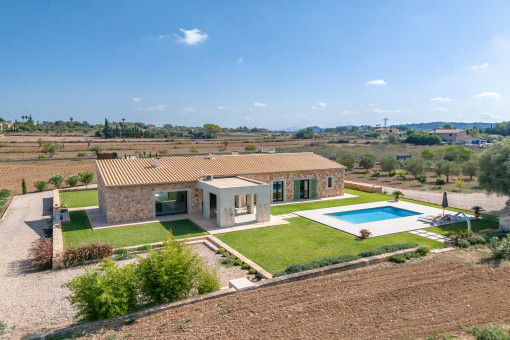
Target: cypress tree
x,y
24,186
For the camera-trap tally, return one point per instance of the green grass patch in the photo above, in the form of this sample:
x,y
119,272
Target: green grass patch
x,y
301,241
364,197
79,199
79,230
486,223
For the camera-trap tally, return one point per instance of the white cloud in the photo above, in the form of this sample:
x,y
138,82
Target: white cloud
x,y
192,37
488,95
259,104
154,108
248,118
220,107
480,67
188,110
137,100
377,82
439,109
347,112
440,99
320,106
240,60
384,111
489,116
159,37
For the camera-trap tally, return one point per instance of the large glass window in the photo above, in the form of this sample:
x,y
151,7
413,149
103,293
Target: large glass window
x,y
278,191
168,203
304,188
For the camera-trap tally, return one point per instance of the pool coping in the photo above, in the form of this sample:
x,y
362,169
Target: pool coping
x,y
377,228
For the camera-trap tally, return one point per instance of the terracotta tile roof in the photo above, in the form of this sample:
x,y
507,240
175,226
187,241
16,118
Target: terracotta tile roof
x,y
447,131
123,172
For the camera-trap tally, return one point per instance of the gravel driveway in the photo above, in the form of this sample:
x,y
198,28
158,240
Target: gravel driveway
x,y
30,300
33,301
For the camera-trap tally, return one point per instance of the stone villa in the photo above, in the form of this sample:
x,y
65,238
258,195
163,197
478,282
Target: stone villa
x,y
216,187
455,136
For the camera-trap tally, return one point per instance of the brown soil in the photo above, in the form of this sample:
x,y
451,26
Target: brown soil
x,y
417,299
410,182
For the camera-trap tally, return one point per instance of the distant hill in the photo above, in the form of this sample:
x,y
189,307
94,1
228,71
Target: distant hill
x,y
438,125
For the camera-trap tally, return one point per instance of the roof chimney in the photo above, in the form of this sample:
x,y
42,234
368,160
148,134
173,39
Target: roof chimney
x,y
211,155
235,153
157,163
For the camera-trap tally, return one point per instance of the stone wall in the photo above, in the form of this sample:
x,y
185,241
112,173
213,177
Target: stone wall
x,y
363,187
136,203
321,176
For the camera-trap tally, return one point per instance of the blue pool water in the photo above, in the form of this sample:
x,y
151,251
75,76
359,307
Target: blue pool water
x,y
372,214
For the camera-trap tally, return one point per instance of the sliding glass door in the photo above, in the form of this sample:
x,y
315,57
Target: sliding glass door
x,y
169,203
304,189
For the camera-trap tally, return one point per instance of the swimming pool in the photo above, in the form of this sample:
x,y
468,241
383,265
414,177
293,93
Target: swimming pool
x,y
372,214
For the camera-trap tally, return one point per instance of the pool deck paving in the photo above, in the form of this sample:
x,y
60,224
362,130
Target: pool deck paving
x,y
384,227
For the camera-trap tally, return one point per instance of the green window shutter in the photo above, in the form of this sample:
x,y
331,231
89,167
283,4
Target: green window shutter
x,y
313,188
296,190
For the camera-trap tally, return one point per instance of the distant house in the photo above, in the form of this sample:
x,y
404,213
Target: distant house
x,y
214,187
4,126
388,131
455,136
151,126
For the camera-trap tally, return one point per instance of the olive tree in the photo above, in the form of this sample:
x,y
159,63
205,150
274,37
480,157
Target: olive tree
x,y
367,162
494,169
389,163
417,166
447,168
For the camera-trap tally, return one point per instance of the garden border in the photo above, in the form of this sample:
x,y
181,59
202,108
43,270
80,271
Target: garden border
x,y
121,320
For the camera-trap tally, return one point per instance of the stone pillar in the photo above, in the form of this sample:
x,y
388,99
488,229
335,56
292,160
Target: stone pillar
x,y
206,206
263,212
250,204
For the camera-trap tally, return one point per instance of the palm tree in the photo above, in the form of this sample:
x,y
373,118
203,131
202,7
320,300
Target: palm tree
x,y
71,119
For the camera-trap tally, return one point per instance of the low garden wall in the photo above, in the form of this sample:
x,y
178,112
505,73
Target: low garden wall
x,y
119,321
58,245
81,188
363,187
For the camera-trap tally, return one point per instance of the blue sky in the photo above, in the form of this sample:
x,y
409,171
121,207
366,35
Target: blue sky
x,y
273,64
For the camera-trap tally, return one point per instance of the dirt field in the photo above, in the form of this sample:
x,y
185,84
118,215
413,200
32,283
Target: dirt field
x,y
19,154
428,297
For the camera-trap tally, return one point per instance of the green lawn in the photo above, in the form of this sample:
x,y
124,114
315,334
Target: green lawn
x,y
274,248
487,222
79,199
364,197
79,231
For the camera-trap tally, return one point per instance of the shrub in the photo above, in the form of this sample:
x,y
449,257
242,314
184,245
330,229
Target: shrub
x,y
120,251
86,177
245,266
73,180
146,247
376,174
193,150
401,174
488,332
459,182
238,262
463,243
173,273
476,239
367,162
40,157
325,261
500,248
389,163
387,249
163,152
220,251
392,173
40,253
440,181
398,259
56,180
252,271
294,268
423,250
348,160
81,154
97,149
23,186
427,154
250,148
80,253
421,178
41,185
398,194
104,292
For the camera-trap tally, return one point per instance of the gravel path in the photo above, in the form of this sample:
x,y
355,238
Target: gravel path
x,y
32,301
